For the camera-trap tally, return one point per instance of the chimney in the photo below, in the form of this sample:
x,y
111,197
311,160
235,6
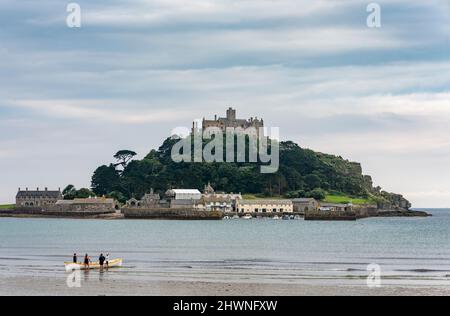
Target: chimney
x,y
46,189
19,189
27,189
37,189
215,117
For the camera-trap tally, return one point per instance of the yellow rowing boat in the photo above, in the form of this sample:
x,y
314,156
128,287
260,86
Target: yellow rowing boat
x,y
70,266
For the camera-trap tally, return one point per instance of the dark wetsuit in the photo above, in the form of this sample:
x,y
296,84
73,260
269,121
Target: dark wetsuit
x,y
74,259
86,261
101,260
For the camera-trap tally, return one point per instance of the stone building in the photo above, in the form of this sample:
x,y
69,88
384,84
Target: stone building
x,y
37,198
230,121
149,200
183,198
303,205
86,205
329,207
218,201
183,194
264,206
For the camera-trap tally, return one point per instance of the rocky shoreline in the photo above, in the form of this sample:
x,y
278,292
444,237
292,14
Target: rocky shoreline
x,y
402,213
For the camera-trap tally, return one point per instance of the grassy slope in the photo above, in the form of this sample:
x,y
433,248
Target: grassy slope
x,y
6,207
330,198
342,199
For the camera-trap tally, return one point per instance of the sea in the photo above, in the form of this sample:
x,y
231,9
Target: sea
x,y
404,251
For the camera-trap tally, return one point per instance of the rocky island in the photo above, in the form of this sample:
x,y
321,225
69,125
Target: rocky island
x,y
302,174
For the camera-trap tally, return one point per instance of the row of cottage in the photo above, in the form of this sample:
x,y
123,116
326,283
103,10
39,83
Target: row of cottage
x,y
209,200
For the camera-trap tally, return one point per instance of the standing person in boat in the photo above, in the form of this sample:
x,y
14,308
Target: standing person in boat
x,y
87,260
75,259
101,260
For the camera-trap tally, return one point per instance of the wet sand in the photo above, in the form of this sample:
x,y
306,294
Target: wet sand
x,y
48,286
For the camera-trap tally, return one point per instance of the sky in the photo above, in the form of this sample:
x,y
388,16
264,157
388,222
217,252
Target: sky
x,y
136,69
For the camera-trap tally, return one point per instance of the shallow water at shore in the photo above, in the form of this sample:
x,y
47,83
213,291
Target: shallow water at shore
x,y
410,251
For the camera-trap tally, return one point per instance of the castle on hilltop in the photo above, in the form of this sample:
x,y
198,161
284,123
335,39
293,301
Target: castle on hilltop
x,y
230,121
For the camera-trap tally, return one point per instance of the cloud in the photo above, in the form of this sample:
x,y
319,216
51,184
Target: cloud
x,y
91,110
137,69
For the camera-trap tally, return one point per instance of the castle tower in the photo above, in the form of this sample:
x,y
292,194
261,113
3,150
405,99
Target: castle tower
x,y
231,114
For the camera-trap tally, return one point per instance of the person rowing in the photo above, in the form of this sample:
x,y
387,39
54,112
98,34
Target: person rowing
x,y
87,261
101,261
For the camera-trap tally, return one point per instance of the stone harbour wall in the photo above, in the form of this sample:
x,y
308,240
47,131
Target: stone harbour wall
x,y
167,213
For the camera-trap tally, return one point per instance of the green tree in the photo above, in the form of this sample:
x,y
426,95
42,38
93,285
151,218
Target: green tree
x,y
123,157
69,192
105,179
317,194
84,193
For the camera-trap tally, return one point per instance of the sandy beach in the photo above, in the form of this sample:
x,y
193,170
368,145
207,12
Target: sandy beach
x,y
34,286
221,258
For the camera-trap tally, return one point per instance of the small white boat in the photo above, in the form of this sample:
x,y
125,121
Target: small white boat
x,y
70,266
297,217
226,217
236,217
247,216
276,217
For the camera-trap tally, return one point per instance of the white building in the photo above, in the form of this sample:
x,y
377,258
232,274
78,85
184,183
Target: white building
x,y
264,206
218,201
183,194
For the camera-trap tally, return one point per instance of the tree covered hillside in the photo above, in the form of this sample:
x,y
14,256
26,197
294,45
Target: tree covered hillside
x,y
302,173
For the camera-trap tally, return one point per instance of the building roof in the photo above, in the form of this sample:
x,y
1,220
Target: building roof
x,y
185,191
217,198
334,205
39,194
263,201
303,200
86,201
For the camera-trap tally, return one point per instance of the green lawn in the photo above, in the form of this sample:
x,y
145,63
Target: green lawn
x,y
259,197
6,207
342,199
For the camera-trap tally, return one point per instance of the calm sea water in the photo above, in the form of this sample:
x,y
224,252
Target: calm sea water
x,y
408,250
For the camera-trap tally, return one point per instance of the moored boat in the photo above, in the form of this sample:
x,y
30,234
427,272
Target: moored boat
x,y
70,266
